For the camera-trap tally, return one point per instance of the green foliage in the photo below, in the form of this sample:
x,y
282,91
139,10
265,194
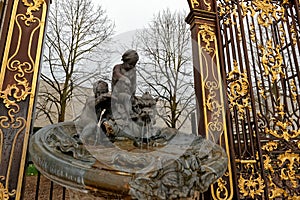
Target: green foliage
x,y
31,170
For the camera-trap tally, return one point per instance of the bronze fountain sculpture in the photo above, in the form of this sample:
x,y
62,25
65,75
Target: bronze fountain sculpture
x,y
115,150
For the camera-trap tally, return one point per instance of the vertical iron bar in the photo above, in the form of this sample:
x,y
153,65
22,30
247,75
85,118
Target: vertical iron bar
x,y
248,70
51,190
37,189
229,68
253,60
285,82
228,114
63,193
241,64
298,42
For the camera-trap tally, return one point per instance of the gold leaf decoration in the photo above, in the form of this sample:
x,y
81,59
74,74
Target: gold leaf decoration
x,y
282,34
214,106
289,173
4,193
272,61
195,3
282,128
294,91
274,191
238,95
222,191
239,33
224,8
265,11
282,170
270,146
268,163
32,7
294,35
252,33
208,36
208,5
251,186
268,11
250,183
261,90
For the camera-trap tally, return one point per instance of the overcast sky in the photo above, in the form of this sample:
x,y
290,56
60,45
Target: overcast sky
x,y
135,14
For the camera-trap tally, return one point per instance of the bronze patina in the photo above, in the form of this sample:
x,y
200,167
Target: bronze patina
x,y
116,150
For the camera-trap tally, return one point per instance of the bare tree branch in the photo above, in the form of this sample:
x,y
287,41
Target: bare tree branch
x,y
167,69
76,29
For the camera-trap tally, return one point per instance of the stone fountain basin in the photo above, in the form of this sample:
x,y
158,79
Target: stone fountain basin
x,y
185,165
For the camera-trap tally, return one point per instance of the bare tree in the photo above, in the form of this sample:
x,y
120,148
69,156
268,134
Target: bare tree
x,y
166,65
77,33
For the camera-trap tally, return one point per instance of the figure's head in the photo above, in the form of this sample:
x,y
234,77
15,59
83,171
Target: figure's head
x,y
131,57
100,87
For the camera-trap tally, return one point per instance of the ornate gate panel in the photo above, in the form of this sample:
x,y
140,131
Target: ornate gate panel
x,y
260,41
210,91
22,33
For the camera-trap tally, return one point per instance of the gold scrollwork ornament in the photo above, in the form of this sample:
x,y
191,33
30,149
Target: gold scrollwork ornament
x,y
208,5
195,3
251,186
252,33
294,35
282,126
283,131
282,34
238,90
274,191
272,61
294,91
222,191
208,36
224,8
32,7
289,172
268,11
268,163
211,103
4,193
215,107
270,146
261,90
14,91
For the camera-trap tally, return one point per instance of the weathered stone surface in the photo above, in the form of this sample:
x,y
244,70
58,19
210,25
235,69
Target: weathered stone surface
x,y
115,149
176,170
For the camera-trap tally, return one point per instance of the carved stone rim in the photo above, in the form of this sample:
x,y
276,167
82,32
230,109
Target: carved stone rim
x,y
87,176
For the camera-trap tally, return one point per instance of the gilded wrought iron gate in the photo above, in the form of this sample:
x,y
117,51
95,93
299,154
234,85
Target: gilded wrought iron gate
x,y
261,59
22,28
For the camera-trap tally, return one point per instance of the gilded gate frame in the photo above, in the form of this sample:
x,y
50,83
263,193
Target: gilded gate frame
x,y
20,66
210,93
259,59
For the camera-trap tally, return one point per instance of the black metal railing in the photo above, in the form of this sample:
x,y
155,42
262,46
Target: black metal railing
x,y
39,187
